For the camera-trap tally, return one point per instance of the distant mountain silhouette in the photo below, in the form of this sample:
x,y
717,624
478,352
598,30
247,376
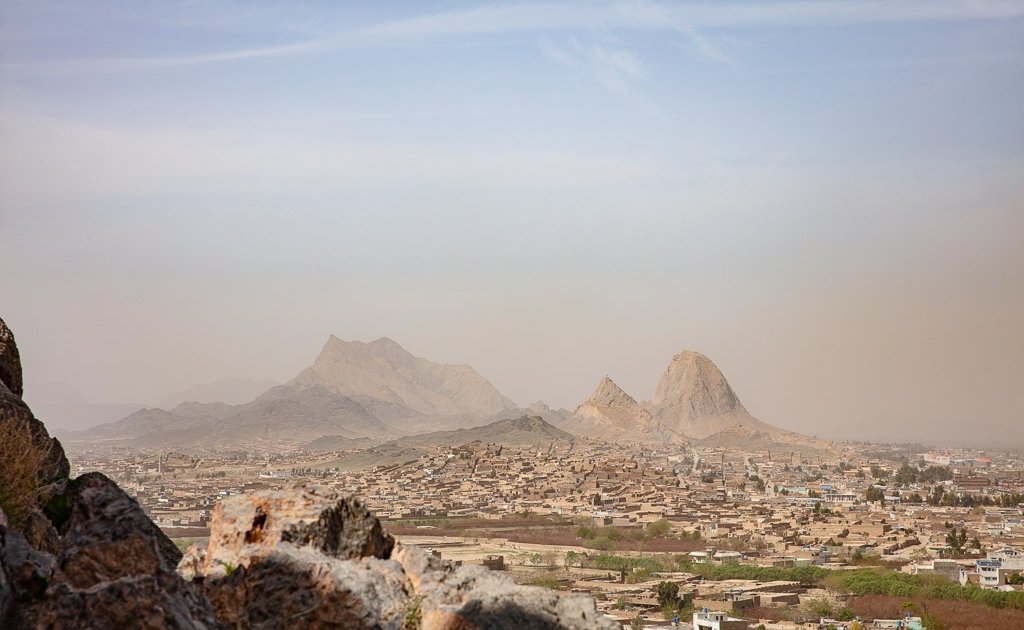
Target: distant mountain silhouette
x,y
232,391
385,371
353,391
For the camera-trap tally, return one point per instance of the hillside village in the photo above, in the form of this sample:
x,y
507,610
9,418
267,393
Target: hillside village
x,y
874,505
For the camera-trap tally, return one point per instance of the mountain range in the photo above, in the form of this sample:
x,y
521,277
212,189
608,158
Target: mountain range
x,y
357,394
352,391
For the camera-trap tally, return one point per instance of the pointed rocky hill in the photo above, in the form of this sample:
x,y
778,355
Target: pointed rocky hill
x,y
692,402
385,371
694,398
612,414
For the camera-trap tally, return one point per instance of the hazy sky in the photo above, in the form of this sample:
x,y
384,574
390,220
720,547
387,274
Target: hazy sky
x,y
826,198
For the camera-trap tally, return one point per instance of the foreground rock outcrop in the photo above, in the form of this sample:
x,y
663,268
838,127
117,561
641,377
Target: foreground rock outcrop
x,y
81,553
77,553
307,557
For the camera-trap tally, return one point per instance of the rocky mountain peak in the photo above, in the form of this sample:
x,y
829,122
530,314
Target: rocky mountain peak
x,y
694,387
609,393
384,349
384,370
610,411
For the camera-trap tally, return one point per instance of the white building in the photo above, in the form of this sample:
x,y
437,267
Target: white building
x,y
994,569
707,620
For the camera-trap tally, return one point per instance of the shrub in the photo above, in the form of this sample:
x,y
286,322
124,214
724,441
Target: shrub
x,y
546,581
658,528
19,461
819,607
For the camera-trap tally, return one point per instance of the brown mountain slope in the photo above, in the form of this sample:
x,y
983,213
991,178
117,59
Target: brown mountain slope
x,y
612,414
385,371
694,398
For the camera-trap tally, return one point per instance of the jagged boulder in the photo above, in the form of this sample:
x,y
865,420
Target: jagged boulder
x,y
107,536
464,597
311,558
80,553
285,586
337,526
33,467
113,570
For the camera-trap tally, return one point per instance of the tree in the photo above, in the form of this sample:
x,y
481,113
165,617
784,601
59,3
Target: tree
x,y
905,475
1015,579
668,594
956,541
845,614
572,559
873,494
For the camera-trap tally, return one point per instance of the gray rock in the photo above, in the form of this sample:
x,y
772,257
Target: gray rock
x,y
152,602
111,567
28,570
108,536
474,597
306,558
344,530
40,533
297,587
340,527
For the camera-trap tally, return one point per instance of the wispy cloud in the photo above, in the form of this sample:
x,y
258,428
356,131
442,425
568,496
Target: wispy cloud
x,y
616,69
102,162
688,20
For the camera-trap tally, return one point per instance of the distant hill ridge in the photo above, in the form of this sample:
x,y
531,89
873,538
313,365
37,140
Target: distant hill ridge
x,y
359,393
353,391
523,431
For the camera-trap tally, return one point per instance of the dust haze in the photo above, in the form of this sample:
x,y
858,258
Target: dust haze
x,y
551,207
